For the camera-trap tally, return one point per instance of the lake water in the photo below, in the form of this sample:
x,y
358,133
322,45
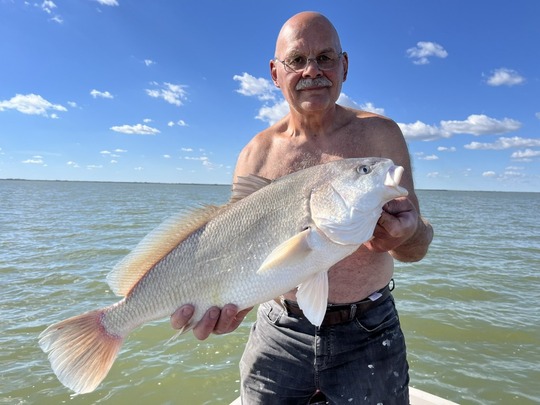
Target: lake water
x,y
469,310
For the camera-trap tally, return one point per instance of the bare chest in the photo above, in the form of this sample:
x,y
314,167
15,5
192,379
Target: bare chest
x,y
288,156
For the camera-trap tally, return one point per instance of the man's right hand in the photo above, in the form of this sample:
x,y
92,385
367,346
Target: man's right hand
x,y
215,320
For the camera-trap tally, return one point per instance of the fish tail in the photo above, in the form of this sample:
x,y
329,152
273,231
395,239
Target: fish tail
x,y
81,351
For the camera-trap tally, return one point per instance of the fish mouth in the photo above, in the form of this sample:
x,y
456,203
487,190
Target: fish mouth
x,y
393,177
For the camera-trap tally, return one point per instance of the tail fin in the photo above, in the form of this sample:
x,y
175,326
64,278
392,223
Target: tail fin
x,y
80,350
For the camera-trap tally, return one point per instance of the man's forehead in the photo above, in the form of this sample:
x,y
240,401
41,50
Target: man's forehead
x,y
306,44
308,51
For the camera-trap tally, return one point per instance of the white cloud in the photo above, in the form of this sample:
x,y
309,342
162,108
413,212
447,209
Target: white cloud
x,y
101,94
108,2
187,149
525,155
424,50
504,143
474,124
260,87
346,101
32,104
137,129
420,131
35,160
167,156
201,158
211,166
48,6
149,62
505,77
445,149
272,114
171,93
57,19
180,123
72,164
205,161
512,174
264,90
537,115
479,124
371,108
489,174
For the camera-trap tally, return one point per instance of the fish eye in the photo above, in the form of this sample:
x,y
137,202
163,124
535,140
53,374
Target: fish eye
x,y
363,169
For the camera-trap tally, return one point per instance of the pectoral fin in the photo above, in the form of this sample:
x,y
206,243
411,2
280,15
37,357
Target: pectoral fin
x,y
291,251
312,297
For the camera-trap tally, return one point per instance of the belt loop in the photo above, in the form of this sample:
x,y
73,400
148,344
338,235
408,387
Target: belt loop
x,y
353,312
284,304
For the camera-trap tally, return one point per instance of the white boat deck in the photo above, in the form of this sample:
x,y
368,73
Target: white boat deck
x,y
417,397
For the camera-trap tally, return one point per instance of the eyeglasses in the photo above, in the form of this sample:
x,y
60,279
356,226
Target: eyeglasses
x,y
297,63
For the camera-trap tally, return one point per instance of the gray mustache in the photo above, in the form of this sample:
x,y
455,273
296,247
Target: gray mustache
x,y
317,82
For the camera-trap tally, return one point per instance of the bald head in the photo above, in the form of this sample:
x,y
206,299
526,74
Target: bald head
x,y
306,29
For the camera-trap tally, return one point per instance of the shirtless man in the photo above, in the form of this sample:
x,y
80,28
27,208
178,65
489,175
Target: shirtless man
x,y
359,354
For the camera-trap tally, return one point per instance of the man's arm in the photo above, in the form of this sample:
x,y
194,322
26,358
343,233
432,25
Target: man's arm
x,y
401,230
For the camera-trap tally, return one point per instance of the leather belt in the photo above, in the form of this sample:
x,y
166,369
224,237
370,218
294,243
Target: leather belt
x,y
342,313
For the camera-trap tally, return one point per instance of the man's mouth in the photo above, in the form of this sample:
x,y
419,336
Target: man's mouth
x,y
319,82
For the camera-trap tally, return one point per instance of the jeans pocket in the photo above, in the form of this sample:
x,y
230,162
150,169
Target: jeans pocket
x,y
381,317
271,313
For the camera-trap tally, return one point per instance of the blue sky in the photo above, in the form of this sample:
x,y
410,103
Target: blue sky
x,y
170,91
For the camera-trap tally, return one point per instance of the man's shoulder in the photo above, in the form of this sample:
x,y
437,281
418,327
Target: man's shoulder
x,y
369,119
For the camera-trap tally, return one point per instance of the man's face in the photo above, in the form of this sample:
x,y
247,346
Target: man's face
x,y
317,86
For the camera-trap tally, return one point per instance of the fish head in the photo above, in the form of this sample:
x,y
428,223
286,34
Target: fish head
x,y
348,201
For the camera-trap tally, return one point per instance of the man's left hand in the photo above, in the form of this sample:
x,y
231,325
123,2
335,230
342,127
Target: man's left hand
x,y
398,222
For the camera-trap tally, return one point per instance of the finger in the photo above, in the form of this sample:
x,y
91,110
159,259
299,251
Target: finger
x,y
235,321
207,324
239,318
182,316
226,318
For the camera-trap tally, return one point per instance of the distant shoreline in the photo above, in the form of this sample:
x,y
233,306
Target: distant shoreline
x,y
229,185
118,182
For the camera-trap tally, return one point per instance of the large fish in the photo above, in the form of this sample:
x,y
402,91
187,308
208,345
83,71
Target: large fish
x,y
272,237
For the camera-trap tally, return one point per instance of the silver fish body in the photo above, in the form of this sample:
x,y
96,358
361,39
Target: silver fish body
x,y
274,237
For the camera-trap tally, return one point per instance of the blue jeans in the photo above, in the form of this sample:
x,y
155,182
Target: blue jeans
x,y
287,359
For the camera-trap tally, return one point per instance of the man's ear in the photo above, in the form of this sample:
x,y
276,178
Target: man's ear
x,y
345,65
273,72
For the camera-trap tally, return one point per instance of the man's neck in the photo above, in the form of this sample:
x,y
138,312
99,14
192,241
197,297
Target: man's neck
x,y
316,125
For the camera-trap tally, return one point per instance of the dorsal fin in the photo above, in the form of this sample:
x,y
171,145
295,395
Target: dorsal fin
x,y
247,185
156,245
